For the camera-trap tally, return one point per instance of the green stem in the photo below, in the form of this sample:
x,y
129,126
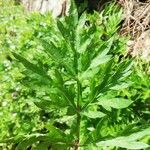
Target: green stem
x,y
78,114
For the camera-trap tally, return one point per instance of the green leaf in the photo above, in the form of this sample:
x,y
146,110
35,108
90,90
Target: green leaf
x,y
121,86
94,114
94,67
82,48
100,59
31,139
44,104
56,134
124,70
118,103
123,144
114,14
89,73
102,85
69,98
139,135
63,30
34,68
54,52
59,77
83,41
42,146
55,101
128,142
72,19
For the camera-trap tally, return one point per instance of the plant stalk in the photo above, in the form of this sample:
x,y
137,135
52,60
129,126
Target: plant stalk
x,y
77,145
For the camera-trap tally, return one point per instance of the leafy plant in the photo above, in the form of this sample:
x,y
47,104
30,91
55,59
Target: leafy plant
x,y
139,90
78,83
19,115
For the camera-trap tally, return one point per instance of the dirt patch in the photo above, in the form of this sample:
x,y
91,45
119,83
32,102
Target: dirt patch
x,y
137,25
137,17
